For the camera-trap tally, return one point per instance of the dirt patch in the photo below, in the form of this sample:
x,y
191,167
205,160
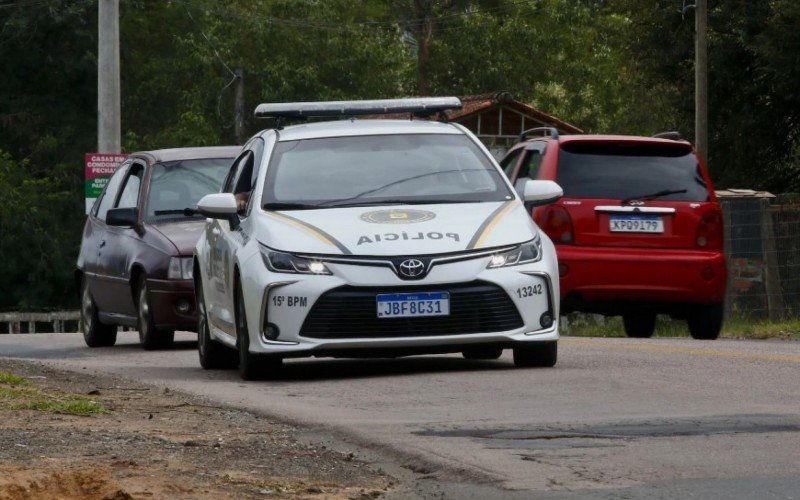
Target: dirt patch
x,y
146,442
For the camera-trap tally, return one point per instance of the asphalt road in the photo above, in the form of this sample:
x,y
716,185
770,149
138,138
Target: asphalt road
x,y
656,418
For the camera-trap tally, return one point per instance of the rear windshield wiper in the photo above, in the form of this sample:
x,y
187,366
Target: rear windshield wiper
x,y
652,196
288,206
188,212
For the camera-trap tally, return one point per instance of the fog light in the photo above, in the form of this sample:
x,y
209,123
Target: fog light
x,y
563,269
183,306
546,320
271,331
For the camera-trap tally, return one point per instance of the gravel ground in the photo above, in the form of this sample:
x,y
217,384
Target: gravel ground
x,y
155,443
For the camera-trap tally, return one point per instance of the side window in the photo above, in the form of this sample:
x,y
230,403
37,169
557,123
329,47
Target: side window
x,y
130,193
244,177
227,187
530,165
510,161
111,191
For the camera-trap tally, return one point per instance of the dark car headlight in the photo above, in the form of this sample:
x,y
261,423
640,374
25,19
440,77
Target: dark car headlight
x,y
180,268
525,253
282,262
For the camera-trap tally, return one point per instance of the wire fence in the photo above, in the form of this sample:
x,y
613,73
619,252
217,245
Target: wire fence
x,y
763,250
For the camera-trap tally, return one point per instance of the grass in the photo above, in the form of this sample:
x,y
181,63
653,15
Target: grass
x,y
17,393
587,325
11,379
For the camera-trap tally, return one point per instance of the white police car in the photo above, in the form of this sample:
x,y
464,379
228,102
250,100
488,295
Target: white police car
x,y
376,238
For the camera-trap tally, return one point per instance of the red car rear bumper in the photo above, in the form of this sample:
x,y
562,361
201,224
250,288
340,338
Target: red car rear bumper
x,y
173,303
599,274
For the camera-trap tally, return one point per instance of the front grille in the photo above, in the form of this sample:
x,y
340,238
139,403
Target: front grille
x,y
351,312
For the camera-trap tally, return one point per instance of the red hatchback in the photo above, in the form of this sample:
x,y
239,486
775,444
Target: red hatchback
x,y
638,231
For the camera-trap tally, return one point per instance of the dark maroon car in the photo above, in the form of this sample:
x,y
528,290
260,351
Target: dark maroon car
x,y
135,263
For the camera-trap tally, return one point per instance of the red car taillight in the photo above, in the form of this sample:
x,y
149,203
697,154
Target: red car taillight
x,y
557,224
710,231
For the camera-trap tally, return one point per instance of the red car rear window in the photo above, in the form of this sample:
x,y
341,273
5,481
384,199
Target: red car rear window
x,y
623,171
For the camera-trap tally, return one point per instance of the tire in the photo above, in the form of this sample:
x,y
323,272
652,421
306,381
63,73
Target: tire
x,y
482,353
705,321
212,354
640,326
95,334
252,366
150,337
537,354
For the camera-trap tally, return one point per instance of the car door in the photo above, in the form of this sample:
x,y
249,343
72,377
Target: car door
x,y
98,267
122,243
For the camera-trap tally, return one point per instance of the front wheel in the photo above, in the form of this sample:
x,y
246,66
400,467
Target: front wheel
x,y
213,355
705,321
95,334
641,325
251,366
537,354
150,337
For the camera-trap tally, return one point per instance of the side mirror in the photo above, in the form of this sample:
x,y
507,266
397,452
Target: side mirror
x,y
124,217
219,206
536,193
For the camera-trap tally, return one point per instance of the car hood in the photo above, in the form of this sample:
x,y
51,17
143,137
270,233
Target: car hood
x,y
182,234
397,230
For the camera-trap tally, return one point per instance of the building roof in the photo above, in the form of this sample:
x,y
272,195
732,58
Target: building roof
x,y
481,102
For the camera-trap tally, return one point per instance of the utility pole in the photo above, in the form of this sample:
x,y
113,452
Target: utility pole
x,y
238,107
701,79
108,98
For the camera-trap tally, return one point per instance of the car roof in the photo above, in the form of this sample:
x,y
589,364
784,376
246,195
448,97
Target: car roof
x,y
196,153
343,128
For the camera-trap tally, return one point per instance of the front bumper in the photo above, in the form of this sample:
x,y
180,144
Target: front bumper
x,y
173,304
604,275
286,302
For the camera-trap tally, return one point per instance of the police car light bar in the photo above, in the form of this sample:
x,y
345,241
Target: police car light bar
x,y
419,106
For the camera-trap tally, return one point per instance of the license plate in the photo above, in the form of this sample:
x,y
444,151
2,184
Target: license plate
x,y
636,224
413,305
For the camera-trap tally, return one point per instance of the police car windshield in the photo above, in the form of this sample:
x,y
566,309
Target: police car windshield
x,y
380,169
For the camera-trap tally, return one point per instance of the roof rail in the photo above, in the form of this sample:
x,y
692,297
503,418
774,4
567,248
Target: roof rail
x,y
421,106
672,136
552,132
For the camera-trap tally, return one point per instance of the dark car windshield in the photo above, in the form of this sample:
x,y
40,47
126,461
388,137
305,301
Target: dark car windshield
x,y
365,170
175,185
626,171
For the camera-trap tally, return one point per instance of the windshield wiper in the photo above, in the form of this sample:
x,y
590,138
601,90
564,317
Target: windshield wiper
x,y
346,204
652,196
288,206
188,212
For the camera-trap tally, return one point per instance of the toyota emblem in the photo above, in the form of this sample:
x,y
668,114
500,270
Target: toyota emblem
x,y
411,268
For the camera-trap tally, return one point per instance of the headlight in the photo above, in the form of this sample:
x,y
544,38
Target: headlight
x,y
180,268
281,262
523,254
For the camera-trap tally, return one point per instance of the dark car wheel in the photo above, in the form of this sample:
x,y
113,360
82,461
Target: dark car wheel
x,y
482,353
705,321
537,354
213,355
150,337
95,334
251,366
641,325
